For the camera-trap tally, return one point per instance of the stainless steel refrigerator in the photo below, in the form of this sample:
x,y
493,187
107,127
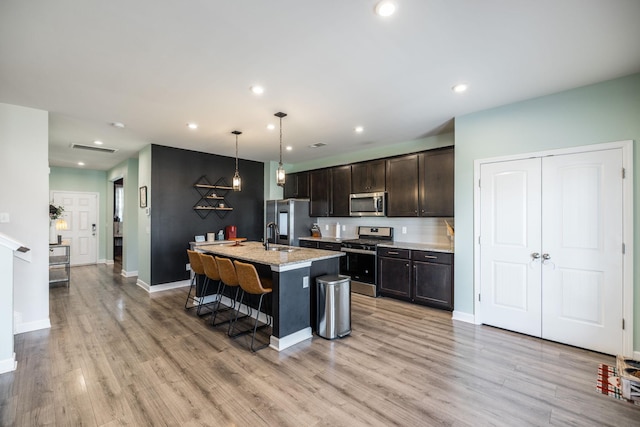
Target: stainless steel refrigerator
x,y
292,218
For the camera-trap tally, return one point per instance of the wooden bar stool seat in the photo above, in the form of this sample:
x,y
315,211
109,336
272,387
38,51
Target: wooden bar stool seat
x,y
211,271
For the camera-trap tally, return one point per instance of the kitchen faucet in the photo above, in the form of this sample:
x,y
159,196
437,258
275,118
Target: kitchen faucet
x,y
276,232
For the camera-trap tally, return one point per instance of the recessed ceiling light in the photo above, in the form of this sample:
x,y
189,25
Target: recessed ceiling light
x,y
385,8
271,126
97,142
461,87
80,163
117,125
289,148
358,129
257,90
192,125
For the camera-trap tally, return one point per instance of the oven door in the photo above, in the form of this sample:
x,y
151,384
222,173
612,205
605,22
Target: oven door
x,y
360,265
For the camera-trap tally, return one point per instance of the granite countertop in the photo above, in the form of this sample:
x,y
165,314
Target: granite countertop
x,y
254,252
419,246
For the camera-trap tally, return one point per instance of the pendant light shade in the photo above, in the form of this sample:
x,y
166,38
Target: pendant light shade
x,y
280,175
236,182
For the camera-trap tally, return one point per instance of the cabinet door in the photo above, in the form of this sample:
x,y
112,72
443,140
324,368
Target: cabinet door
x,y
319,193
368,177
329,246
432,284
296,185
394,277
402,186
340,190
436,183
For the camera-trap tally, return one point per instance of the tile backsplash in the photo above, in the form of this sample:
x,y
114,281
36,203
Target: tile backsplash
x,y
418,230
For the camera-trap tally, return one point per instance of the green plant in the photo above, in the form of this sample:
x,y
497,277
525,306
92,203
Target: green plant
x,y
55,212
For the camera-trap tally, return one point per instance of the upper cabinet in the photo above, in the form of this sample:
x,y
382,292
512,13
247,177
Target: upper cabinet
x,y
421,184
436,169
340,190
319,192
402,186
296,186
368,177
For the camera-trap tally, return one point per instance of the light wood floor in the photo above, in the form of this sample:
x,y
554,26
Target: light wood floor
x,y
116,355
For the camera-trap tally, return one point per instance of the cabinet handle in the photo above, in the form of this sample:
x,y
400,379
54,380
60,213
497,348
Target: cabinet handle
x,y
393,253
430,257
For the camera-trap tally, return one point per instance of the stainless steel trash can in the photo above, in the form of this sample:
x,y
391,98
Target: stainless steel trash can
x,y
333,305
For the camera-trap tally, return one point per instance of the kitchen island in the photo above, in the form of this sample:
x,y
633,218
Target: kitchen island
x,y
293,271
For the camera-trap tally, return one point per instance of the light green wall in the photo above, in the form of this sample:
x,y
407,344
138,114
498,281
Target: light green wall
x,y
604,112
76,179
128,170
271,190
375,153
144,221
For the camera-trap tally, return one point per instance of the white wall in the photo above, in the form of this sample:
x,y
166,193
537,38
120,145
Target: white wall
x,y
24,184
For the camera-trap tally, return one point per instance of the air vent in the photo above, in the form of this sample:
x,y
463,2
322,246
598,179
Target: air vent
x,y
94,148
317,145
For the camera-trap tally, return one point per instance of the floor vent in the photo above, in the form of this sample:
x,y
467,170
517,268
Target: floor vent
x,y
93,148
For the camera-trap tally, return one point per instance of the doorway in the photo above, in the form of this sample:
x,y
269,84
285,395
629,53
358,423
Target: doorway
x,y
118,214
554,246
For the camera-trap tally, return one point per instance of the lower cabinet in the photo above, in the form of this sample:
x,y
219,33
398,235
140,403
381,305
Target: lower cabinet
x,y
423,277
314,244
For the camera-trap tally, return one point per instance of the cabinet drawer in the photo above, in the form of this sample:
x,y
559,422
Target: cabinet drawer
x,y
329,246
308,244
428,256
393,253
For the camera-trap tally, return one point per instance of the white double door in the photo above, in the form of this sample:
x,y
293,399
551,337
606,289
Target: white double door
x,y
551,262
81,215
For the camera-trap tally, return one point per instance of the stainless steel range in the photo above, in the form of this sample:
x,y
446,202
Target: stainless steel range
x,y
360,260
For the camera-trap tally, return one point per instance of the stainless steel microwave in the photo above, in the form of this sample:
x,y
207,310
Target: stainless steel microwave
x,y
368,204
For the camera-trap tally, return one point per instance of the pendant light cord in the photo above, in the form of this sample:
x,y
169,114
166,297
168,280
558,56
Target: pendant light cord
x,y
280,141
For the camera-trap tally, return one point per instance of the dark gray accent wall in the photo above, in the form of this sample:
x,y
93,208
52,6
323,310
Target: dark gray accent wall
x,y
174,223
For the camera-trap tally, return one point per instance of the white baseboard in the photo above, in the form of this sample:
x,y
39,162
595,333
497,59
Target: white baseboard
x,y
636,355
280,344
163,287
102,261
8,365
109,262
128,273
22,327
463,317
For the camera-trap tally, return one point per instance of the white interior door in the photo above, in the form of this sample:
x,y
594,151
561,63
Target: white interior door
x,y
510,238
582,237
551,257
80,213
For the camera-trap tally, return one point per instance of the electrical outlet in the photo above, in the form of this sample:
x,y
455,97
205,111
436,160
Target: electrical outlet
x,y
305,282
188,267
404,230
326,227
4,217
344,227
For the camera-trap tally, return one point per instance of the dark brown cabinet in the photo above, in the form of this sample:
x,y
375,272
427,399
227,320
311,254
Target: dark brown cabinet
x,y
394,273
421,184
423,277
315,244
402,186
296,186
433,279
436,170
308,244
340,190
319,193
329,191
368,177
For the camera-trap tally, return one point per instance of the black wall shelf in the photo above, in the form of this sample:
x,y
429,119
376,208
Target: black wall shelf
x,y
211,197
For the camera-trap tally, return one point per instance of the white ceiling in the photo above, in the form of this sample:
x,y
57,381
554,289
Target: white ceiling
x,y
330,65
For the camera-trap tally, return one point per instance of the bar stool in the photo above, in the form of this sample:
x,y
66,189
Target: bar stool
x,y
229,279
198,271
253,284
211,271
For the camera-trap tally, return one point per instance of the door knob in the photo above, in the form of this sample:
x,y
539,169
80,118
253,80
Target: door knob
x,y
535,255
546,256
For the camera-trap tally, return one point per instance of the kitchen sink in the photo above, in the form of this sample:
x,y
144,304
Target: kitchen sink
x,y
282,248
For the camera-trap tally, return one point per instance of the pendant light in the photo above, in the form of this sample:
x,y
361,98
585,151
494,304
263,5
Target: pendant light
x,y
280,175
236,181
